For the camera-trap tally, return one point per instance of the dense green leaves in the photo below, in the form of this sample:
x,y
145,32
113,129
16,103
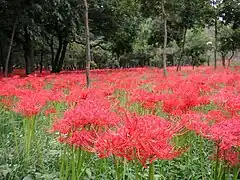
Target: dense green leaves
x,y
231,12
124,33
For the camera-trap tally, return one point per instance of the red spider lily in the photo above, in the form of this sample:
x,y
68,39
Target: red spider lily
x,y
83,139
50,111
196,121
227,133
31,103
216,116
87,113
7,102
230,156
142,137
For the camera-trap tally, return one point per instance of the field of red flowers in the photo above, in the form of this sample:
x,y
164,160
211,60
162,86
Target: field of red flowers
x,y
131,124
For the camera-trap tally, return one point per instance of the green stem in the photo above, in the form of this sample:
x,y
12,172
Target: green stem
x,y
80,161
62,163
236,172
116,168
136,170
217,164
15,139
220,171
86,166
67,164
202,156
151,171
74,177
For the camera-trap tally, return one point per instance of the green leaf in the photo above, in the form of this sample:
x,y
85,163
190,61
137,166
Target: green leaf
x,y
88,171
5,170
28,177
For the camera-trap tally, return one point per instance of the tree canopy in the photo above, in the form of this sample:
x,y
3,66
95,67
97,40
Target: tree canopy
x,y
50,34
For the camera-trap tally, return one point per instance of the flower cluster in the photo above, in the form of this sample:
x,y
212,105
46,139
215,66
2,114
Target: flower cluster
x,y
141,137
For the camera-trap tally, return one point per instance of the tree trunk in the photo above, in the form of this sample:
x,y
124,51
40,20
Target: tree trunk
x,y
41,61
165,41
215,47
51,43
224,60
28,53
10,65
62,57
56,60
229,60
29,58
88,53
10,49
208,61
1,60
182,49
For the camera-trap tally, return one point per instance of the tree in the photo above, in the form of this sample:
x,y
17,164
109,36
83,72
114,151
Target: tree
x,y
165,40
191,13
10,49
60,23
165,7
229,34
181,16
226,43
88,53
9,25
216,5
230,12
46,30
142,50
196,47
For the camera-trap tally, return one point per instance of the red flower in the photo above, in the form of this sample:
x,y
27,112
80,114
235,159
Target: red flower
x,y
31,103
50,111
87,113
142,137
227,133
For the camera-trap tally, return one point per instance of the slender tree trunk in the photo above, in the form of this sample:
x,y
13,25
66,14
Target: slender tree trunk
x,y
28,52
165,41
216,46
29,58
10,49
88,50
51,43
56,60
26,62
1,59
208,61
229,60
182,49
62,57
10,65
41,61
224,60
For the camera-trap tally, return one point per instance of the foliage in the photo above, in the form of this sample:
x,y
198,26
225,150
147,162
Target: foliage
x,y
230,12
226,40
126,33
196,47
